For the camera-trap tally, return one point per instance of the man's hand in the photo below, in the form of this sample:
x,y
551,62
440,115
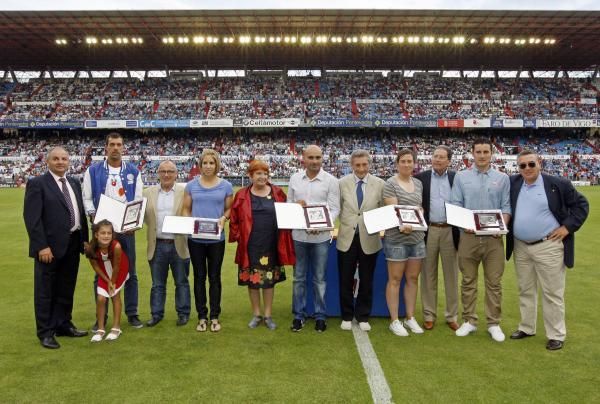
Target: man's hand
x,y
45,255
406,229
559,234
301,202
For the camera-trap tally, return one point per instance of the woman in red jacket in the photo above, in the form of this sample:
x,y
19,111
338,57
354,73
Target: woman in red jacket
x,y
262,248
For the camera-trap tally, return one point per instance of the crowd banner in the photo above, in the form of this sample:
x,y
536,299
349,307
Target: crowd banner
x,y
401,123
450,123
477,123
566,123
341,123
111,124
165,123
210,123
267,123
423,123
529,123
10,124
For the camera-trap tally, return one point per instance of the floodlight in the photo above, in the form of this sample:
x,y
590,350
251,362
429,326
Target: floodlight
x,y
119,40
90,40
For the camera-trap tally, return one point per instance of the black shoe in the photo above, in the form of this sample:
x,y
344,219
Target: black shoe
x,y
135,322
554,344
150,323
520,335
182,320
49,342
320,326
297,325
71,332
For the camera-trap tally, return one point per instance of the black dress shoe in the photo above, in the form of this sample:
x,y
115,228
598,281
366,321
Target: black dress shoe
x,y
182,320
520,335
49,342
71,332
153,321
554,344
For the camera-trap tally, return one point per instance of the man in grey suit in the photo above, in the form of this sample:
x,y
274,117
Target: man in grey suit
x,y
165,249
359,192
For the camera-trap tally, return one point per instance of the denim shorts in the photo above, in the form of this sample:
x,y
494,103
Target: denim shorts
x,y
404,252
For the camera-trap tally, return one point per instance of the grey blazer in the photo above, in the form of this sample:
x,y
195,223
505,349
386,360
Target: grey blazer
x,y
351,216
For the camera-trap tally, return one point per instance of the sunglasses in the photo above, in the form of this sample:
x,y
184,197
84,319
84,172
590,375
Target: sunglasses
x,y
531,164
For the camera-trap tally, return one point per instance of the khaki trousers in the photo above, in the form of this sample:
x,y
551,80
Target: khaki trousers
x,y
541,264
488,250
440,244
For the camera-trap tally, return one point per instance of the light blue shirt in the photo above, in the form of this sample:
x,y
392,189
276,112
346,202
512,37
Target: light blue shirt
x,y
478,190
439,193
323,189
533,218
208,202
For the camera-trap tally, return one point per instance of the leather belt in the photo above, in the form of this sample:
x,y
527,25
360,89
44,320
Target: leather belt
x,y
165,240
439,224
534,242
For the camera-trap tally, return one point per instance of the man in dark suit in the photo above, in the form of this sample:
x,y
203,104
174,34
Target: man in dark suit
x,y
57,229
441,239
547,211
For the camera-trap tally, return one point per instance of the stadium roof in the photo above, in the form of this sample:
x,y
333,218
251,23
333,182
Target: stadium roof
x,y
28,39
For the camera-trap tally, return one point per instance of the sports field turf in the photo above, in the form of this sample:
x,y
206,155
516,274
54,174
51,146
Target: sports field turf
x,y
177,364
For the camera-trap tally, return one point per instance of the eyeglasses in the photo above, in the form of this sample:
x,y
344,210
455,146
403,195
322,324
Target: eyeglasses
x,y
531,164
166,172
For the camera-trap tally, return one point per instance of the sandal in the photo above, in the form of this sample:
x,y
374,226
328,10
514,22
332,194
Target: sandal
x,y
201,327
114,334
98,335
215,326
256,320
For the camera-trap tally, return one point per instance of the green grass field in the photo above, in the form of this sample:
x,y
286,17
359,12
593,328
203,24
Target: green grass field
x,y
178,364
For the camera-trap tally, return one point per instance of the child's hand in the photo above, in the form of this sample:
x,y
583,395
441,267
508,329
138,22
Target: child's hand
x,y
111,288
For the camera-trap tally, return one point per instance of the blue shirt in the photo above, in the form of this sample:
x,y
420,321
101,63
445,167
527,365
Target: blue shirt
x,y
533,219
208,202
439,193
478,190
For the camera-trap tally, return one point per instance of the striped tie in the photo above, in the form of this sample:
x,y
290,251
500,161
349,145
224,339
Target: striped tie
x,y
67,196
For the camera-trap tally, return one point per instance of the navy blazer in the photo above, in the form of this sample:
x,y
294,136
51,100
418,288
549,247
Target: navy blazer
x,y
425,178
47,215
568,206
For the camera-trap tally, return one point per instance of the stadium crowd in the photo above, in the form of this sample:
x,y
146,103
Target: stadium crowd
x,y
351,96
570,155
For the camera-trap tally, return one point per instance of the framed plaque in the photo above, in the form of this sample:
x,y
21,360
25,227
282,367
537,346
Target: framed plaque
x,y
132,215
410,216
317,217
205,228
490,222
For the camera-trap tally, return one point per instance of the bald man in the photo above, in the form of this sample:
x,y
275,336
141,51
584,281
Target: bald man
x,y
57,229
308,187
166,250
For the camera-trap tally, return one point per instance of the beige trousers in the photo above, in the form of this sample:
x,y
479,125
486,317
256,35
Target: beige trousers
x,y
488,250
440,245
541,264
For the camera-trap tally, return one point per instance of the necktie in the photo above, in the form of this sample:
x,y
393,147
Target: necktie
x,y
359,193
67,196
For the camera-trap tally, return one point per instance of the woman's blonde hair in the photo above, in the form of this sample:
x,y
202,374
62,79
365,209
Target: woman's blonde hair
x,y
210,153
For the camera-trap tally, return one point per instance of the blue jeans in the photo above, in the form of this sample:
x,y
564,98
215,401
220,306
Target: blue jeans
x,y
310,256
127,242
165,256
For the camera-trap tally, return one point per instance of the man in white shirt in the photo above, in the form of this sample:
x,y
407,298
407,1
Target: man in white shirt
x,y
308,187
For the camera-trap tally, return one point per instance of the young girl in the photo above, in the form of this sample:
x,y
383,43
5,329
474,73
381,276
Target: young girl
x,y
110,263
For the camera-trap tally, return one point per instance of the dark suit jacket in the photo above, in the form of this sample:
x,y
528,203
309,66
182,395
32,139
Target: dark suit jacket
x,y
568,206
47,217
425,177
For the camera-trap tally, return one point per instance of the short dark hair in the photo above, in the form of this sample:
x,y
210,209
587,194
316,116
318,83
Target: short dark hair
x,y
446,149
113,135
404,152
483,140
526,152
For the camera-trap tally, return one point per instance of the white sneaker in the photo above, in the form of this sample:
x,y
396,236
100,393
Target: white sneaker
x,y
346,325
413,325
496,333
365,326
465,329
397,328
